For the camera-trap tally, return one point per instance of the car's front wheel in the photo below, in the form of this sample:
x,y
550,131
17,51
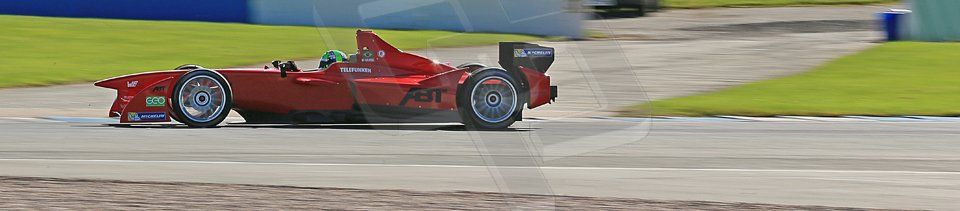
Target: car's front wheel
x,y
189,67
489,99
202,98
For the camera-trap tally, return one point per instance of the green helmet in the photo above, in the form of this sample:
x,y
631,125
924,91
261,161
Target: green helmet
x,y
330,57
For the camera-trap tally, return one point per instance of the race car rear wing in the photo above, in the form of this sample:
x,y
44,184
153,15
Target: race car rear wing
x,y
513,55
531,62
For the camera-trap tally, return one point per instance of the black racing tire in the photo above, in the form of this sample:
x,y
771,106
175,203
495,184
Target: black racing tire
x,y
213,94
471,66
489,106
189,67
175,117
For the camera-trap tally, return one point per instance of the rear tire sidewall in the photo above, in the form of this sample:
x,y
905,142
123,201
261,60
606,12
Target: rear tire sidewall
x,y
467,113
175,98
189,67
472,66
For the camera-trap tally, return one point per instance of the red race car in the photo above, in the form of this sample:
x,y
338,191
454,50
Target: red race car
x,y
383,85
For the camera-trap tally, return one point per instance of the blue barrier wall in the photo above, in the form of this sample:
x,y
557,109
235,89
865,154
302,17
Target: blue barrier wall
x,y
934,20
188,10
540,17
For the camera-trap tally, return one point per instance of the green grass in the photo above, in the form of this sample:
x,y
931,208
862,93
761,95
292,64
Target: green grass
x,y
893,79
763,3
43,51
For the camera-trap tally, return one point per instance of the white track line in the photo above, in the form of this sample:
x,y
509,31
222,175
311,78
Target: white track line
x,y
475,166
765,119
27,119
828,119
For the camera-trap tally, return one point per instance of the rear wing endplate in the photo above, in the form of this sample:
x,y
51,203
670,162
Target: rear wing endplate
x,y
513,55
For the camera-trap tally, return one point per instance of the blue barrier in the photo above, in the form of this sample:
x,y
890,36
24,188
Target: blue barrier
x,y
892,24
540,17
187,10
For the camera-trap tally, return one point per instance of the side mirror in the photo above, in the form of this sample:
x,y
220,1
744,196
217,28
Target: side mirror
x,y
276,64
280,66
292,67
284,67
283,70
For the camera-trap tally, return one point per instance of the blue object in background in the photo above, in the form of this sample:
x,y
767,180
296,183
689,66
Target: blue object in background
x,y
892,21
934,20
538,17
185,10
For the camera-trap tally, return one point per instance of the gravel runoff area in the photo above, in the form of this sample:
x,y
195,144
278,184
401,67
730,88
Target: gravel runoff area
x,y
48,193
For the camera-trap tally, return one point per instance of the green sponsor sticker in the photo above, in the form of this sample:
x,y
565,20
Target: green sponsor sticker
x,y
367,54
156,101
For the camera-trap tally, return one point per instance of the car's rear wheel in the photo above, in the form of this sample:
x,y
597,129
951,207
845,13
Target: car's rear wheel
x,y
489,99
471,66
202,98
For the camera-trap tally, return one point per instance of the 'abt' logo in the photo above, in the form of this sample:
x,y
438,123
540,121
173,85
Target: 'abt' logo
x,y
423,95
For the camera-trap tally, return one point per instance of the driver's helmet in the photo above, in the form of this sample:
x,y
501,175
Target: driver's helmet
x,y
330,57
